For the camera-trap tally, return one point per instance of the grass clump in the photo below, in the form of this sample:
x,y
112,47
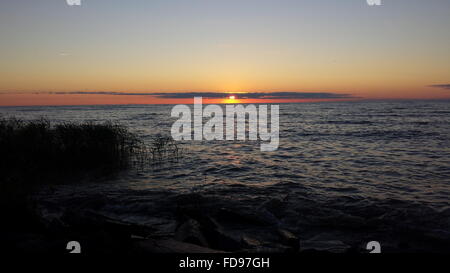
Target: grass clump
x,y
37,151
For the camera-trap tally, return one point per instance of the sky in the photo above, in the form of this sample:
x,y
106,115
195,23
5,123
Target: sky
x,y
96,53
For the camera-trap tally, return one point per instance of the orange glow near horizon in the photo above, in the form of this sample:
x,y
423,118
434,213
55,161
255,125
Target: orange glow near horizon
x,y
29,97
48,99
36,99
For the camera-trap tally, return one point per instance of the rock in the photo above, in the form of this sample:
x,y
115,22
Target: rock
x,y
438,235
275,248
207,232
289,239
190,232
249,242
318,244
221,239
170,246
273,205
91,221
260,217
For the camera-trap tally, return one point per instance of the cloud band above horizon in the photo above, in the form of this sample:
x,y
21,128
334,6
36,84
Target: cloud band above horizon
x,y
441,86
217,95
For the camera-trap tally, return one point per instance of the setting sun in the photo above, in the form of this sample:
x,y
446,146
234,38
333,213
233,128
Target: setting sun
x,y
231,99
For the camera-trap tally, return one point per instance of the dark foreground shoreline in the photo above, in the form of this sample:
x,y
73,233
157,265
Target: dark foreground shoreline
x,y
211,222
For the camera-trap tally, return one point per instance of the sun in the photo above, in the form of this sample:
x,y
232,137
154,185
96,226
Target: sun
x,y
232,99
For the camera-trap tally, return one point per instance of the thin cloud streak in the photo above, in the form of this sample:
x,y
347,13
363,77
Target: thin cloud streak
x,y
441,86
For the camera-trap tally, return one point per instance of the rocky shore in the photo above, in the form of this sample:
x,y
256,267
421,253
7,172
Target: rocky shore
x,y
206,223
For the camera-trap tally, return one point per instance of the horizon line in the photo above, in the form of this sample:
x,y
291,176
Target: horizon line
x,y
224,103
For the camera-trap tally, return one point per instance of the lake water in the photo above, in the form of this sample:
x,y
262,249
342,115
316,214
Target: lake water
x,y
350,170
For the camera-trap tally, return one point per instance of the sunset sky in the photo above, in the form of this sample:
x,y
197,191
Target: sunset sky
x,y
52,53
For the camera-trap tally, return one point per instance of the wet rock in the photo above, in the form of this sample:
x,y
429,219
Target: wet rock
x,y
88,222
222,239
260,217
323,244
249,242
339,219
206,231
439,234
273,248
170,246
196,208
190,232
289,239
273,205
190,199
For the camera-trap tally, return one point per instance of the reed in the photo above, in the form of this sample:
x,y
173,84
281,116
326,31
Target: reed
x,y
38,151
